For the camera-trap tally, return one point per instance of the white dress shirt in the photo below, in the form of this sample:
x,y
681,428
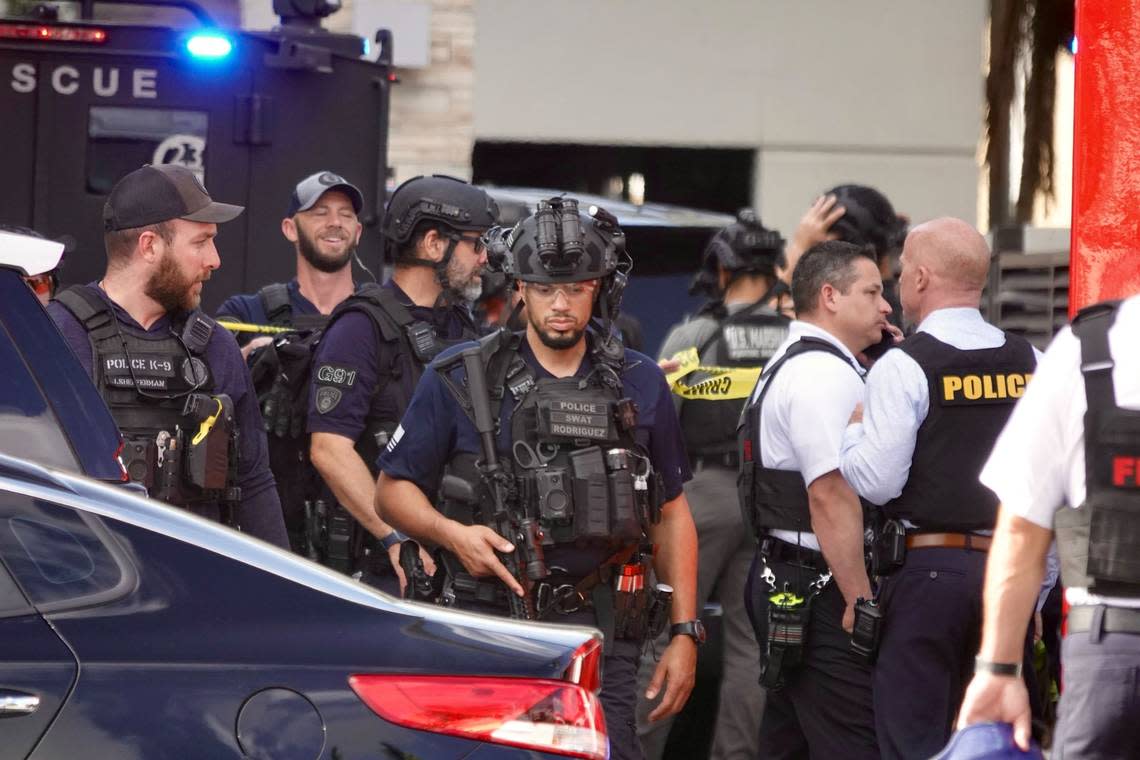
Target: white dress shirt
x,y
1038,462
877,453
805,411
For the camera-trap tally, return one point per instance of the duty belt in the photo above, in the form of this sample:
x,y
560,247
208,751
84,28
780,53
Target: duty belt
x,y
971,541
778,550
1102,619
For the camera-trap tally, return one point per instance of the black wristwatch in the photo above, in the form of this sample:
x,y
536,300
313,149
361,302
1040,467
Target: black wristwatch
x,y
694,629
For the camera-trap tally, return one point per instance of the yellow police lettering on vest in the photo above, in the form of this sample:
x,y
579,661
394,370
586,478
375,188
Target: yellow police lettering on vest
x,y
983,387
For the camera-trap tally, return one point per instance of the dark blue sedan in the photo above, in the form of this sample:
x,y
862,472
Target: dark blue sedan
x,y
131,629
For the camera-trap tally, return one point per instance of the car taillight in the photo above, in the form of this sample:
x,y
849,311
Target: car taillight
x,y
50,33
546,715
585,667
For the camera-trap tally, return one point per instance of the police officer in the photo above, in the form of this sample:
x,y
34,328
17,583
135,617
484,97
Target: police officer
x,y
374,349
860,215
809,571
934,408
737,328
321,222
175,381
1066,465
586,454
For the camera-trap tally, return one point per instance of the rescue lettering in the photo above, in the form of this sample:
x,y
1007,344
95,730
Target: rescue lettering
x,y
105,81
983,387
1126,472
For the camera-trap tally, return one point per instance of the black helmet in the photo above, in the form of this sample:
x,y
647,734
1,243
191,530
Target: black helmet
x,y
438,198
745,246
870,219
558,243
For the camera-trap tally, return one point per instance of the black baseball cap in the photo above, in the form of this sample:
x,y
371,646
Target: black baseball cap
x,y
309,190
159,193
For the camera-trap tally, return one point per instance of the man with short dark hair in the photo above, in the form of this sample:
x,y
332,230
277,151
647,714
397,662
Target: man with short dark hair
x,y
810,570
375,348
322,223
175,381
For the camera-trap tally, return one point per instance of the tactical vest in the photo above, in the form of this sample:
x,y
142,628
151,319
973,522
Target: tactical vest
x,y
747,338
570,449
775,499
160,391
1099,541
407,346
278,308
972,394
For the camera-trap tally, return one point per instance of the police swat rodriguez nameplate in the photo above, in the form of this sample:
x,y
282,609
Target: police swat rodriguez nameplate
x,y
575,419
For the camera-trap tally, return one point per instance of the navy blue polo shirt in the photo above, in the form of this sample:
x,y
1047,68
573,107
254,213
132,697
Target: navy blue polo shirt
x,y
247,307
260,510
352,342
435,428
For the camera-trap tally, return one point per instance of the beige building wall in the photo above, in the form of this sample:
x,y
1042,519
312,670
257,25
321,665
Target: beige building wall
x,y
886,92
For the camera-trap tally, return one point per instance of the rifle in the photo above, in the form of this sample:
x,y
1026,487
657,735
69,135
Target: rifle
x,y
508,518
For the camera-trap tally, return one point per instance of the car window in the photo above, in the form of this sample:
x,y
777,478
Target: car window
x,y
61,558
28,426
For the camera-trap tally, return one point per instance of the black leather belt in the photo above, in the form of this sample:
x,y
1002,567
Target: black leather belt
x,y
777,550
1113,619
729,460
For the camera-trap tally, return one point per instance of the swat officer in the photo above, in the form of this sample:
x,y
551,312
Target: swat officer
x,y
374,349
860,215
174,381
809,571
934,407
573,451
737,328
1066,464
321,222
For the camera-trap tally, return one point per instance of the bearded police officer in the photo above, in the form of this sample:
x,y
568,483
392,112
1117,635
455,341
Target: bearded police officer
x,y
934,408
560,460
809,571
737,328
321,222
1066,465
375,348
175,381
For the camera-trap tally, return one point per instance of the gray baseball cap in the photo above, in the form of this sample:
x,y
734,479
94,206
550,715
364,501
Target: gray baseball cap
x,y
159,193
309,190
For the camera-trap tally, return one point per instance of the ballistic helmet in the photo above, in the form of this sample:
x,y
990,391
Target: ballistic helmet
x,y
745,246
558,243
870,219
438,198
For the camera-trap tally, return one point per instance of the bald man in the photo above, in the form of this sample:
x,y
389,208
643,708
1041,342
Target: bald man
x,y
934,407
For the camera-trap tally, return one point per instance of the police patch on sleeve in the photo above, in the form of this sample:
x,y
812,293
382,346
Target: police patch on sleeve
x,y
336,374
327,399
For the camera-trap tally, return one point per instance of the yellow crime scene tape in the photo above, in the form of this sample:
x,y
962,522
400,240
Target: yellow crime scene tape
x,y
246,327
720,383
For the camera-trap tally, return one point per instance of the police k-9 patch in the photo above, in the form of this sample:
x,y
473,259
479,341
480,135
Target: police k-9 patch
x,y
981,387
336,374
327,399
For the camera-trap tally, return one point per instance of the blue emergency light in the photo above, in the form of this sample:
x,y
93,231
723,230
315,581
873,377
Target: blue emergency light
x,y
209,45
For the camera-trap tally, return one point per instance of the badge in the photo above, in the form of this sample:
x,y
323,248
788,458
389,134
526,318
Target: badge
x,y
327,399
194,371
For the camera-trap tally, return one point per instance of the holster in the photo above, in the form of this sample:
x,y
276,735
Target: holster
x,y
889,550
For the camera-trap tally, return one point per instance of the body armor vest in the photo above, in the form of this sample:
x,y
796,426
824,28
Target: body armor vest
x,y
972,394
747,338
1099,541
179,438
772,498
278,309
407,346
571,451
